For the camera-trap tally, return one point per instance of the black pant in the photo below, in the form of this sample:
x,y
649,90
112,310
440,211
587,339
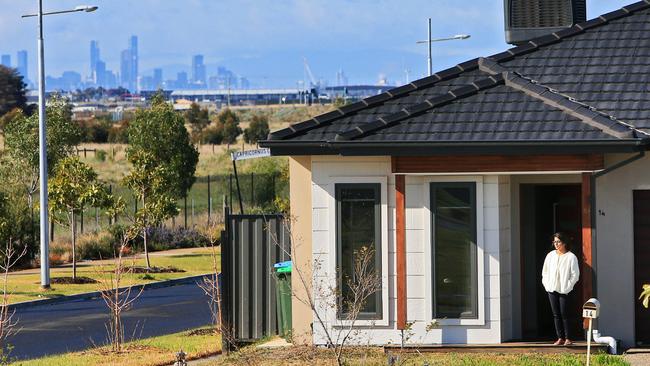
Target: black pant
x,y
560,307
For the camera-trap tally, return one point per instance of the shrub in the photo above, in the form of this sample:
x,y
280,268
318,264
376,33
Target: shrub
x,y
212,135
60,253
257,130
163,238
99,245
100,155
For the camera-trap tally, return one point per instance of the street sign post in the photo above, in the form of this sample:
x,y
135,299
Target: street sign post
x,y
243,155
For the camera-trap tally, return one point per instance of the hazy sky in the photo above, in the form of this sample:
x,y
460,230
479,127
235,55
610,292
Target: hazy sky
x,y
265,40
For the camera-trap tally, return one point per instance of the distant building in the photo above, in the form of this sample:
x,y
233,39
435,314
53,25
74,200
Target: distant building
x,y
94,59
125,70
21,65
129,66
198,71
157,78
239,96
133,42
181,80
69,80
6,60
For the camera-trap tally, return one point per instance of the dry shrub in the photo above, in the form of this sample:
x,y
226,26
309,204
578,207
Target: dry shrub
x,y
96,245
60,252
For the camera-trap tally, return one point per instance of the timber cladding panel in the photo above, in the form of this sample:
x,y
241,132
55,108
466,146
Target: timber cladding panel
x,y
496,163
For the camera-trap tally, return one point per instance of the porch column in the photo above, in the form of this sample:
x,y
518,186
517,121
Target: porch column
x,y
400,248
586,271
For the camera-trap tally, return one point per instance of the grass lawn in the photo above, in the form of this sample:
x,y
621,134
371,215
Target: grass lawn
x,y
146,352
25,285
375,356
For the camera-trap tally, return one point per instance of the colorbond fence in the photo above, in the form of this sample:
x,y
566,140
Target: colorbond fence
x,y
251,245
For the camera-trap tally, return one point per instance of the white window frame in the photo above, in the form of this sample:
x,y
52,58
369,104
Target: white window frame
x,y
480,251
332,253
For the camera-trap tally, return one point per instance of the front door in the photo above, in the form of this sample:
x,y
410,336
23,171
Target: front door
x,y
641,262
546,209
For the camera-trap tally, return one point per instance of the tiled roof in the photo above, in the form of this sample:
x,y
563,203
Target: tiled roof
x,y
586,83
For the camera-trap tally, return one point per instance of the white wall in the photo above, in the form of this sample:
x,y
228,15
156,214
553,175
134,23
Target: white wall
x,y
615,246
493,240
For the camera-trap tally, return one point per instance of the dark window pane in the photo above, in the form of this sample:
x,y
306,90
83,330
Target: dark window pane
x,y
358,225
454,250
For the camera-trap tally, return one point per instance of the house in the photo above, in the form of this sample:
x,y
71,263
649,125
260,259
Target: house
x,y
458,180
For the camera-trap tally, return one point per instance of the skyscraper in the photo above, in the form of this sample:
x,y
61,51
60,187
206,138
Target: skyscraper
x,y
6,60
100,73
94,59
157,78
133,47
129,66
125,70
22,64
198,70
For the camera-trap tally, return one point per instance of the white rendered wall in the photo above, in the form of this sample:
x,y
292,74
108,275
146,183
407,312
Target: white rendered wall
x,y
615,246
493,240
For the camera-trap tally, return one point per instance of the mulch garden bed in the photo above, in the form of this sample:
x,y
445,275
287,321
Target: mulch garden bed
x,y
138,269
73,281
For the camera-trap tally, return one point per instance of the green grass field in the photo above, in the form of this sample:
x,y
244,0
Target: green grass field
x,y
145,352
25,285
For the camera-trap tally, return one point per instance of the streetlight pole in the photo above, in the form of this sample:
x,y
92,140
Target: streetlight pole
x,y
430,40
42,143
42,157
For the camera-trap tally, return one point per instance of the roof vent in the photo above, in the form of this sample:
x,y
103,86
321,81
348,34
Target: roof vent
x,y
528,19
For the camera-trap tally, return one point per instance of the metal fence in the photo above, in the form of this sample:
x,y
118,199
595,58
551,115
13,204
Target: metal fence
x,y
204,199
251,244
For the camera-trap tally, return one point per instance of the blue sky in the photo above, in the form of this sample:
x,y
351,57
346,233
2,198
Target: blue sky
x,y
265,40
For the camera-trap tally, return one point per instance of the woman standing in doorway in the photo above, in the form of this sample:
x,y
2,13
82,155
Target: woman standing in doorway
x,y
559,274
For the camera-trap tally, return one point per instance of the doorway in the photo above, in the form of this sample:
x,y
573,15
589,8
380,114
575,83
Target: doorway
x,y
641,260
546,209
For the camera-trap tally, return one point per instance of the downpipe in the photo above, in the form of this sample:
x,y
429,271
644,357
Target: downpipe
x,y
610,341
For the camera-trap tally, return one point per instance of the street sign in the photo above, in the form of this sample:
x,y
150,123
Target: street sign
x,y
250,154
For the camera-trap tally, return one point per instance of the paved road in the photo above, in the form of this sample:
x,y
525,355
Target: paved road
x,y
77,325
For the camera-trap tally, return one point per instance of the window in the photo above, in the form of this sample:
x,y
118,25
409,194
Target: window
x,y
358,225
454,250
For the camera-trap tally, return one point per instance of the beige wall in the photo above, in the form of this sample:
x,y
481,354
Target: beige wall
x,y
300,197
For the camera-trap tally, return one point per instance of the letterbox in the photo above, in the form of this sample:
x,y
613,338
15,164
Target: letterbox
x,y
591,308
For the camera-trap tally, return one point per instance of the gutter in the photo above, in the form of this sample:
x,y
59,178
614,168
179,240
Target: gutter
x,y
382,148
592,202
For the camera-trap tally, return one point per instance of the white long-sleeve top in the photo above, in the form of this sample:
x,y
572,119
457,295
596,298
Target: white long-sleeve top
x,y
560,272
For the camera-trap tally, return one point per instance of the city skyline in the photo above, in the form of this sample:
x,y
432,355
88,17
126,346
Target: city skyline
x,y
366,40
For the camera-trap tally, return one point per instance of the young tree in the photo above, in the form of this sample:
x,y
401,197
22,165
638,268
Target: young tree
x,y
257,130
163,161
228,121
73,187
152,184
198,118
21,144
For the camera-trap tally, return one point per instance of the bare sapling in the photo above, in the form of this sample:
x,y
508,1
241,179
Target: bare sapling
x,y
210,283
211,288
8,323
117,298
322,296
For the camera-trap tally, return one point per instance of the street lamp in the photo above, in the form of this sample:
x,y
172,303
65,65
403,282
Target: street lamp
x,y
430,40
42,147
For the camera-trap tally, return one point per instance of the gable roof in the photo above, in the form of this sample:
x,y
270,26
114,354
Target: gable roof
x,y
585,88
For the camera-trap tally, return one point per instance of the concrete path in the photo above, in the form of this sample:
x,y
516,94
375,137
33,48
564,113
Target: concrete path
x,y
77,325
638,356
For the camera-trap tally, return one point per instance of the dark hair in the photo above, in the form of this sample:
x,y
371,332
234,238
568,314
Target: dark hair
x,y
564,238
